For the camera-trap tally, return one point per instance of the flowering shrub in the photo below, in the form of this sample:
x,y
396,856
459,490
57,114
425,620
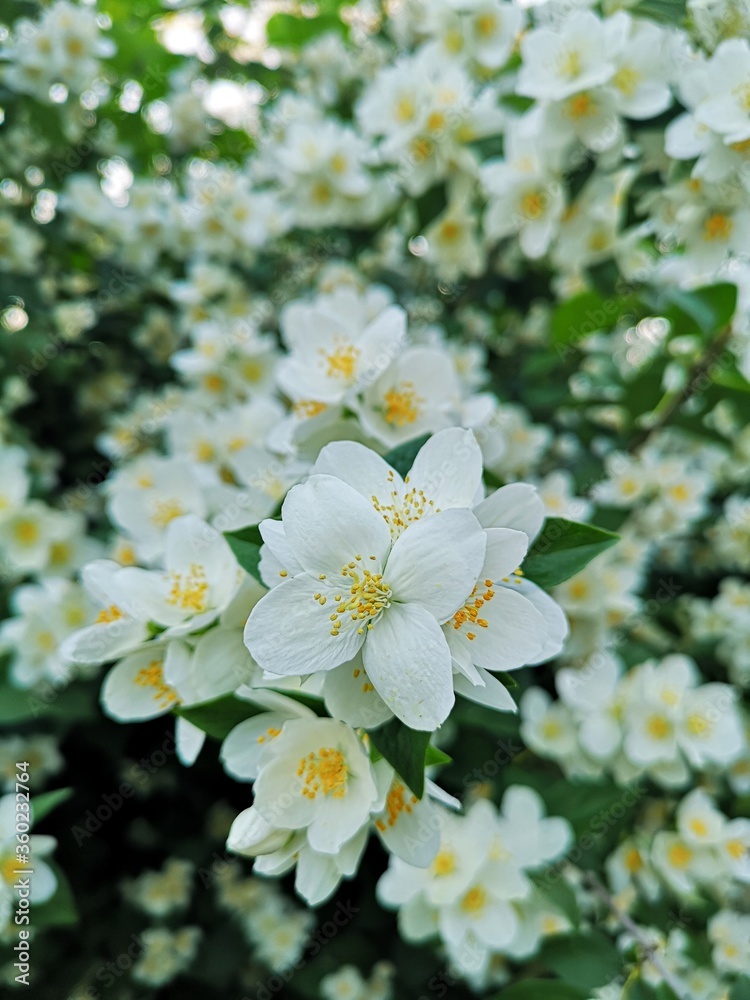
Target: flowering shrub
x,y
374,529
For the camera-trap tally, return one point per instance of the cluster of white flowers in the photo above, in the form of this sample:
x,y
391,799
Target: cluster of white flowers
x,y
724,622
56,54
311,302
43,882
349,984
477,894
656,720
165,955
706,852
278,931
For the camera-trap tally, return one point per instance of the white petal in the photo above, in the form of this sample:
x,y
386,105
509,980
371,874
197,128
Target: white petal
x,y
436,562
409,663
513,632
350,696
493,694
189,740
327,522
517,505
448,468
135,690
362,468
289,632
506,548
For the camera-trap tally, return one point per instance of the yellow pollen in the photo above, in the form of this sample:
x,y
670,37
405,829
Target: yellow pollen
x,y
402,405
736,849
321,192
342,362
658,727
533,204
679,492
569,64
697,725
633,861
153,676
107,615
368,596
405,110
307,408
581,106
679,855
27,532
338,163
450,231
46,641
699,827
421,149
397,802
8,868
626,80
213,383
270,733
454,41
165,511
469,613
717,227
204,451
436,121
486,25
444,863
475,900
551,729
324,772
189,591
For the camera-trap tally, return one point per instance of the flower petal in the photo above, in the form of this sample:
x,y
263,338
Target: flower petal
x,y
448,468
326,523
408,661
436,562
289,631
517,505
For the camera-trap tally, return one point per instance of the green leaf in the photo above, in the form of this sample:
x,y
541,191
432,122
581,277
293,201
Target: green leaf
x,y
542,989
560,894
562,549
710,308
219,716
583,960
434,755
245,543
402,457
741,989
581,316
291,31
405,749
60,910
44,804
667,11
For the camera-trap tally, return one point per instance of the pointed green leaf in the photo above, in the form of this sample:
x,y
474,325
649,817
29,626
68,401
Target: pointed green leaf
x,y
562,549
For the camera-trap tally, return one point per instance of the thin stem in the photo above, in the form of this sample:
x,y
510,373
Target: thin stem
x,y
649,949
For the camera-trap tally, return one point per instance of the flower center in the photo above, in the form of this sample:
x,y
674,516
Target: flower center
x,y
626,80
342,362
189,590
533,204
368,595
165,511
107,615
396,802
569,64
153,676
325,772
27,532
475,900
469,613
658,727
402,404
444,863
717,227
680,856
